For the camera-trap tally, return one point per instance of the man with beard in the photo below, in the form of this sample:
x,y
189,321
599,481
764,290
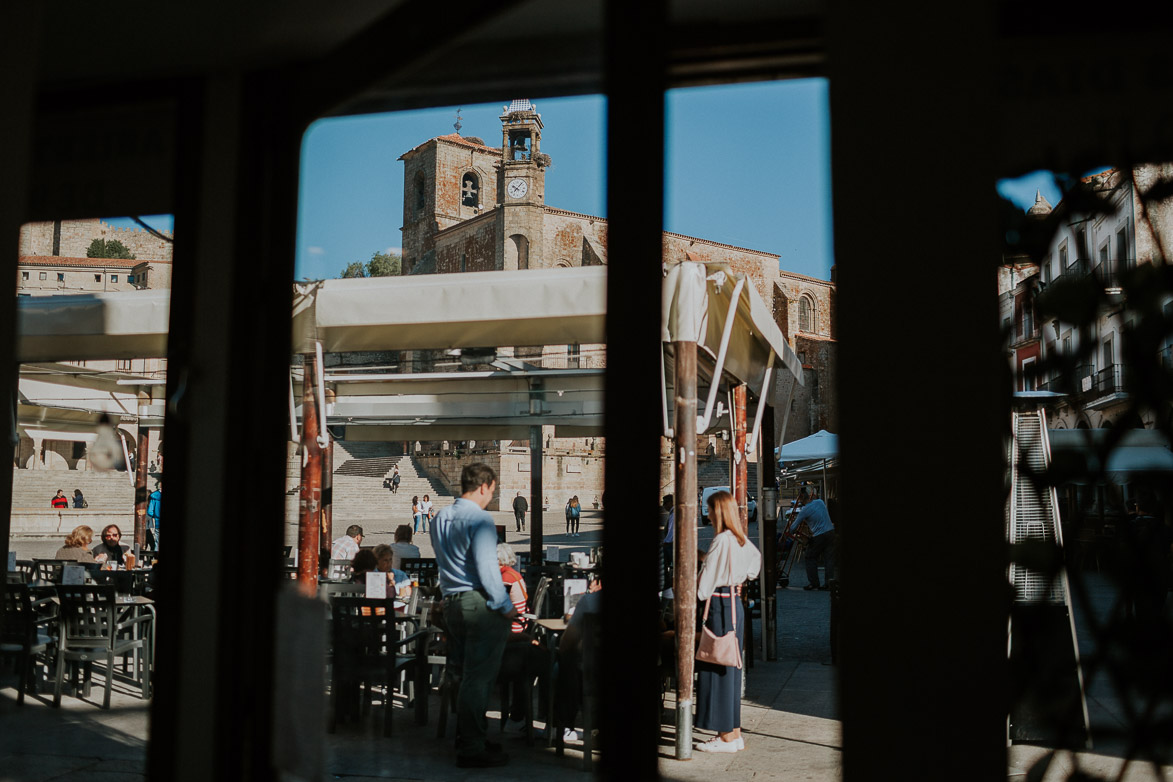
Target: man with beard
x,y
111,545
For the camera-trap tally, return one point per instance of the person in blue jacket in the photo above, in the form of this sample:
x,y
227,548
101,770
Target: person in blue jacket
x,y
154,503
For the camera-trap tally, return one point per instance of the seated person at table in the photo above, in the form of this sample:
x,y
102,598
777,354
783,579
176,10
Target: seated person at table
x,y
77,546
403,548
111,545
384,556
523,660
346,547
570,664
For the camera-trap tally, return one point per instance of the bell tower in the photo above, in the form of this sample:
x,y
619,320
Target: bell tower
x,y
521,186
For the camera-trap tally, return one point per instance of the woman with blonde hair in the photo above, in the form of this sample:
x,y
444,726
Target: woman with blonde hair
x,y
77,546
731,560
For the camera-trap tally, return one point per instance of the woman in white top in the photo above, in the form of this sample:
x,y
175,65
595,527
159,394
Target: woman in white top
x,y
732,559
425,507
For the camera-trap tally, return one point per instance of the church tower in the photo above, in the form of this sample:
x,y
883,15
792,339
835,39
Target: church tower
x,y
521,187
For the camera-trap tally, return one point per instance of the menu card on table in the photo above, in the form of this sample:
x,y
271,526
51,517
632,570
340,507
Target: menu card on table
x,y
572,591
377,585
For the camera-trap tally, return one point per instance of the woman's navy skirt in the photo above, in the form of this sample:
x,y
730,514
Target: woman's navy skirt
x,y
718,692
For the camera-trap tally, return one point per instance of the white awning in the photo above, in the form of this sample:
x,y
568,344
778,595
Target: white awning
x,y
1137,452
438,311
92,326
820,445
704,302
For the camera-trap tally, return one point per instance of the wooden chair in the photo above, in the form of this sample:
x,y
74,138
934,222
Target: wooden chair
x,y
91,630
26,632
369,646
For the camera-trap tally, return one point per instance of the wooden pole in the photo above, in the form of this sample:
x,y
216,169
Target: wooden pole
x,y
768,480
535,495
140,490
684,583
310,490
738,466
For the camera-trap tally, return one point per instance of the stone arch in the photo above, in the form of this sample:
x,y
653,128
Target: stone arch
x,y
517,252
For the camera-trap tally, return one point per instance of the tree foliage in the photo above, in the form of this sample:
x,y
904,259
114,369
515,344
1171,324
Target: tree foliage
x,y
380,265
112,248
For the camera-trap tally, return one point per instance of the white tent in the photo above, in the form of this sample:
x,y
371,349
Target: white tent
x,y
820,445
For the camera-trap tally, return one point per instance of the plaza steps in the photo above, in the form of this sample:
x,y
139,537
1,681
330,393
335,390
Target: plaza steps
x,y
33,489
358,493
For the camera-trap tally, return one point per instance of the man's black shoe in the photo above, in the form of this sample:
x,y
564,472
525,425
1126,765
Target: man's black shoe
x,y
811,587
486,759
825,588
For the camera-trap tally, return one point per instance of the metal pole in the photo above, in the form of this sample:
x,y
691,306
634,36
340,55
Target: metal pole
x,y
769,532
535,495
327,495
140,490
310,490
684,586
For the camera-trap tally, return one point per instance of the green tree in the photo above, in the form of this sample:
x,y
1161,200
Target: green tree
x,y
384,265
380,265
101,248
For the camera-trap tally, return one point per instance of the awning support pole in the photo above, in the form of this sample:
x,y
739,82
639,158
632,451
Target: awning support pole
x,y
740,472
703,422
762,401
684,573
536,457
310,490
768,529
327,494
140,490
664,395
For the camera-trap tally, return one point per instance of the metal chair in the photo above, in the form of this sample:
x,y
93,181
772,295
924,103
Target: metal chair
x,y
26,632
49,570
425,567
370,646
340,570
91,630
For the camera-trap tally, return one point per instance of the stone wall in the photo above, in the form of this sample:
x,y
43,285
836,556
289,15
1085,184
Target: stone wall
x,y
813,406
468,247
564,474
76,236
573,239
819,295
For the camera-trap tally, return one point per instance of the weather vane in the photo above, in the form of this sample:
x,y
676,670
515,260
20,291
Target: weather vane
x,y
457,124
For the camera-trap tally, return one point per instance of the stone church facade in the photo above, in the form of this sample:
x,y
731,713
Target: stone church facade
x,y
469,206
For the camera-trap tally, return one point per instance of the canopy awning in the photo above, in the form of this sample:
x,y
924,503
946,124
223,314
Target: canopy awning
x,y
1138,452
820,445
436,311
91,326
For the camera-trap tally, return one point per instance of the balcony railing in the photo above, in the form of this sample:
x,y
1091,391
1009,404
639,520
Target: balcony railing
x,y
1109,274
1080,267
1110,380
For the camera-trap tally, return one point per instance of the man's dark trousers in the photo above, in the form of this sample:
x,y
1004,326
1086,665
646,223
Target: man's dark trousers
x,y
820,546
476,640
519,516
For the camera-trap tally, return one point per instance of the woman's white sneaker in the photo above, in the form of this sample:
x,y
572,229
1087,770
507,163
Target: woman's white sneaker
x,y
717,745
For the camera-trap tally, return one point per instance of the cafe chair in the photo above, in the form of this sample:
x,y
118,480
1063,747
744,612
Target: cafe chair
x,y
591,676
371,645
91,630
425,567
540,605
340,570
26,633
25,571
49,570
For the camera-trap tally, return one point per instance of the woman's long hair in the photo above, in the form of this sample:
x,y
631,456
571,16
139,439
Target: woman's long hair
x,y
80,537
723,511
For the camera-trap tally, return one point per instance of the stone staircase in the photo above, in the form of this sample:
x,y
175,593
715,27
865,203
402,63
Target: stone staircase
x,y
359,496
32,489
715,472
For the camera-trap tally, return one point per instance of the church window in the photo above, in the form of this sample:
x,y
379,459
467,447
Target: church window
x,y
807,320
420,196
470,190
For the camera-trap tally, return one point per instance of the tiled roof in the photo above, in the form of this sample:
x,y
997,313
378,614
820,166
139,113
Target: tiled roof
x,y
58,261
456,138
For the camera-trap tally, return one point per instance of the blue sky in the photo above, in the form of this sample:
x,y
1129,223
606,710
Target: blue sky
x,y
747,165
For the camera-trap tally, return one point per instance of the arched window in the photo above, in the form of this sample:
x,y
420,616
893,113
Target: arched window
x,y
470,190
807,315
464,262
517,252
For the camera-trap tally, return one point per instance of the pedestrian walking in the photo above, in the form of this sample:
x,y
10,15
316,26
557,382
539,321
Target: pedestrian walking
x,y
477,609
395,481
154,511
520,506
426,513
732,559
416,516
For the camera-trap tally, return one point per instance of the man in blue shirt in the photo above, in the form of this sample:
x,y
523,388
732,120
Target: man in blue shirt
x,y
815,514
477,609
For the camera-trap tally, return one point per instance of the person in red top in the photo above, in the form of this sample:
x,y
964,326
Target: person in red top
x,y
514,584
60,501
523,660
